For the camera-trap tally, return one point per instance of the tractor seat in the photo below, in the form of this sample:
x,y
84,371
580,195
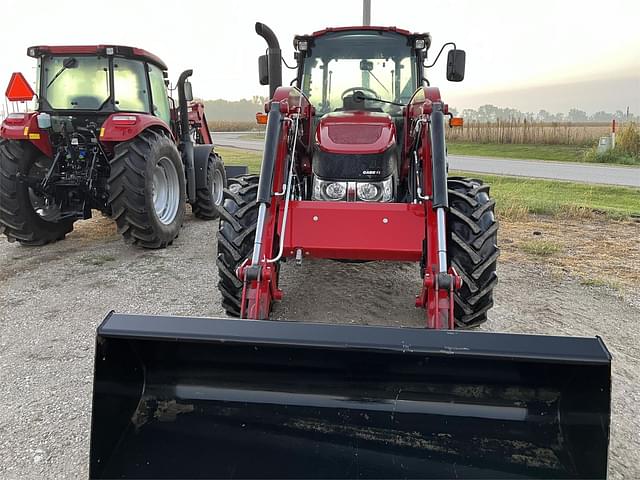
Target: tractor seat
x,y
349,103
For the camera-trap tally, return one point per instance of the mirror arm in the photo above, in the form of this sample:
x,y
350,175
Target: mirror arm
x,y
440,53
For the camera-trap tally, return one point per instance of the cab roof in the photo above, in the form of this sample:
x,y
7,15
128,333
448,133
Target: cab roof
x,y
121,50
366,27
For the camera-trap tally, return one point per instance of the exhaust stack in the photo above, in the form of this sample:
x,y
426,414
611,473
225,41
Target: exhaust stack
x,y
274,54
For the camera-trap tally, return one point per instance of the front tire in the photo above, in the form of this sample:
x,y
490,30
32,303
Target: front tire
x,y
147,190
19,220
209,199
472,246
236,235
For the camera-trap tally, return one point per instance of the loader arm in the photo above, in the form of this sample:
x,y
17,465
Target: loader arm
x,y
289,109
426,115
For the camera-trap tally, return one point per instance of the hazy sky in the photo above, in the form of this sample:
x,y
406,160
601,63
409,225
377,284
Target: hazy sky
x,y
517,51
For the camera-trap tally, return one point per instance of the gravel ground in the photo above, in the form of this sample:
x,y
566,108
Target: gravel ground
x,y
52,299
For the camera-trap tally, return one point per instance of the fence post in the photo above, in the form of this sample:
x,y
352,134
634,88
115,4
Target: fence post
x,y
613,134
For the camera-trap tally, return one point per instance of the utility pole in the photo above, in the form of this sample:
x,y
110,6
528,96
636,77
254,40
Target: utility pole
x,y
366,21
366,12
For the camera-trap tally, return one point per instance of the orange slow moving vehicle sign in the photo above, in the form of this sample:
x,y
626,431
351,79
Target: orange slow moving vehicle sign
x,y
19,89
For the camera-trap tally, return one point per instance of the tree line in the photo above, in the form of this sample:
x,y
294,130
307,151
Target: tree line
x,y
491,113
245,110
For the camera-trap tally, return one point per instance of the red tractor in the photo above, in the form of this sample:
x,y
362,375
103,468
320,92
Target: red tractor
x,y
105,136
355,168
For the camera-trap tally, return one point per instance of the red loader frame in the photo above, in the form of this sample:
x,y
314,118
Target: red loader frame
x,y
290,228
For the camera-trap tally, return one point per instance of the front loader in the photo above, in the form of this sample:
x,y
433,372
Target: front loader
x,y
354,169
105,136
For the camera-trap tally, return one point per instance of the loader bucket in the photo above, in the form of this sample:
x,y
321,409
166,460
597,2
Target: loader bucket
x,y
218,398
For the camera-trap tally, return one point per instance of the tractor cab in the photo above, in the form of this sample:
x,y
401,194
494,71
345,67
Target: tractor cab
x,y
101,80
364,68
359,79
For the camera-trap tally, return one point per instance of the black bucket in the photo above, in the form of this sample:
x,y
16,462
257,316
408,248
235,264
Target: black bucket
x,y
217,398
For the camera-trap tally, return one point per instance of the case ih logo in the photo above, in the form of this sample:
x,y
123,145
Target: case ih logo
x,y
371,172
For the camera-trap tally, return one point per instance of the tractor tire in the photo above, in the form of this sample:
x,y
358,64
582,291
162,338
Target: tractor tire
x,y
236,235
147,190
19,220
210,198
472,246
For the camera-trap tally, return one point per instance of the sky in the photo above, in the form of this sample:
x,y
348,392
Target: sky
x,y
529,55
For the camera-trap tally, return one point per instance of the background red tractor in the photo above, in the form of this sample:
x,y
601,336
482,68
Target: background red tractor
x,y
105,136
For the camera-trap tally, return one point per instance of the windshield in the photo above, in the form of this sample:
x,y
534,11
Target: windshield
x,y
381,64
76,83
82,83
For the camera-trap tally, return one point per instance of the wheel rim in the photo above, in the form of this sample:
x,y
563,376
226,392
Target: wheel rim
x,y
165,191
216,188
44,206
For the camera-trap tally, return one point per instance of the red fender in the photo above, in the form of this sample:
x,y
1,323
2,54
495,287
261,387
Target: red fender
x,y
121,127
24,126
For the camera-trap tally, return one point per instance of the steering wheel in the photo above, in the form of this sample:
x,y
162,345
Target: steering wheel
x,y
360,89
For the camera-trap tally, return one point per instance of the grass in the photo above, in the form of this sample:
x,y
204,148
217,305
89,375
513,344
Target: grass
x,y
517,197
558,153
555,153
235,156
540,248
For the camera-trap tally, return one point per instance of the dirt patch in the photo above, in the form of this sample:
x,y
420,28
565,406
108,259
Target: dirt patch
x,y
56,296
97,228
596,251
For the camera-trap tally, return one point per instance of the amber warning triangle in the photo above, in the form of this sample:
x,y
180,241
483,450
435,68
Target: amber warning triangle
x,y
19,89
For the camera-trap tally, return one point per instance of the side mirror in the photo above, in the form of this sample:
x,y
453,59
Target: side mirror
x,y
188,91
263,69
455,65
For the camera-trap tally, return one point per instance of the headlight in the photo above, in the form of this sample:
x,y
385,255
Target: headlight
x,y
335,190
367,192
328,190
364,191
387,190
376,191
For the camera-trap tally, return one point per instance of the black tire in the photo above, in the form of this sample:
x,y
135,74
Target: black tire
x,y
472,247
18,218
131,190
236,235
210,198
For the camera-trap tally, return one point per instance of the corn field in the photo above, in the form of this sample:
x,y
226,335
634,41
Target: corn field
x,y
529,132
233,126
500,131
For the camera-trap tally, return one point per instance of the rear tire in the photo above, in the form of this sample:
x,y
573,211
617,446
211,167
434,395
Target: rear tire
x,y
147,190
472,245
19,220
210,198
236,235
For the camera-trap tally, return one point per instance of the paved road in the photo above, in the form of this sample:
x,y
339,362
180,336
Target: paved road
x,y
577,172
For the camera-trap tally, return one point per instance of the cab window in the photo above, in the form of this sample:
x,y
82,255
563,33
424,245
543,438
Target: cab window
x,y
159,94
130,86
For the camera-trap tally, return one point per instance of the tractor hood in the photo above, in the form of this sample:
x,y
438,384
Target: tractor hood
x,y
357,132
